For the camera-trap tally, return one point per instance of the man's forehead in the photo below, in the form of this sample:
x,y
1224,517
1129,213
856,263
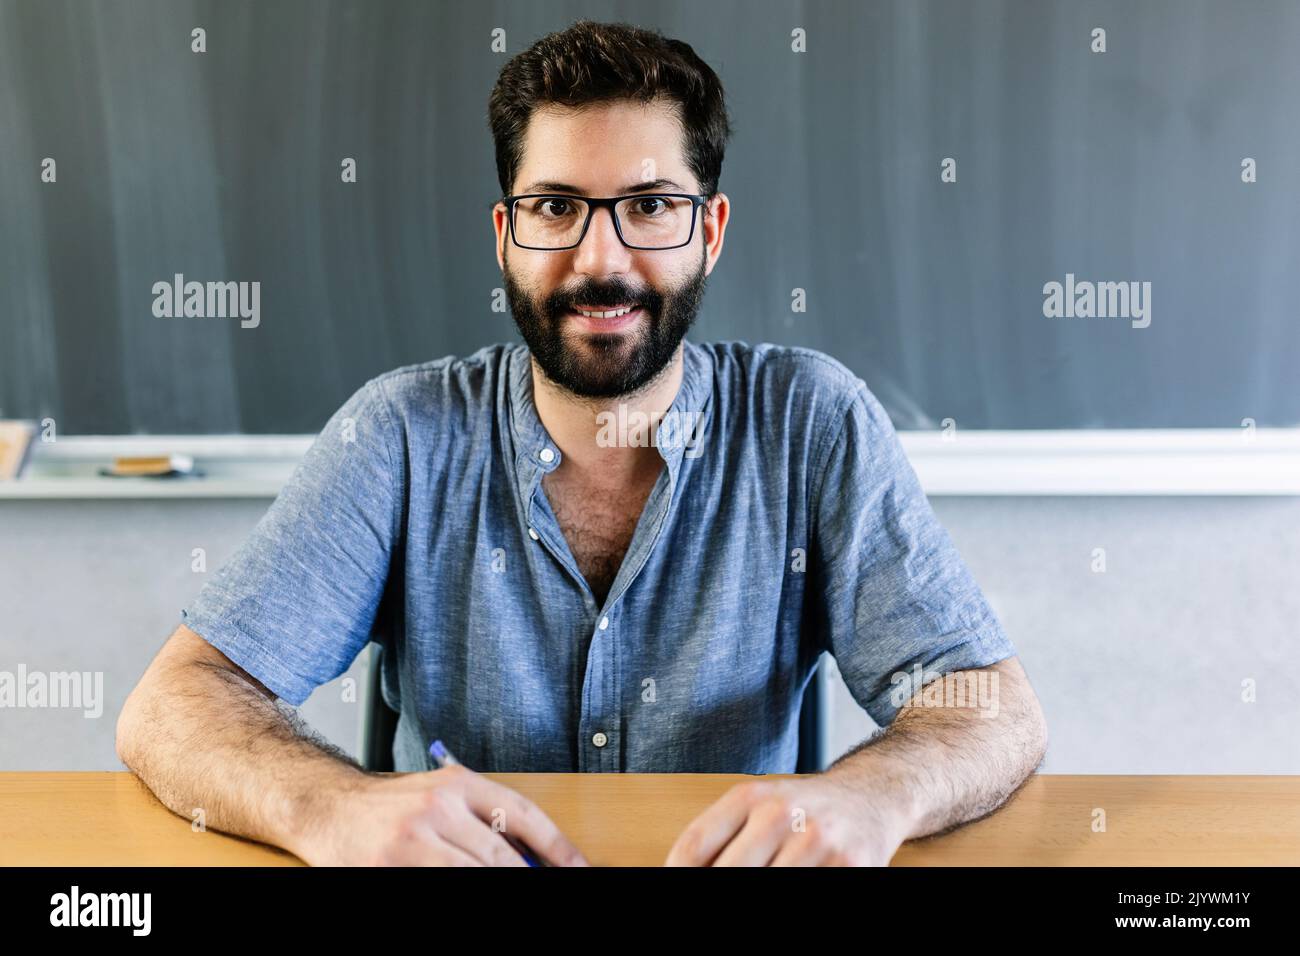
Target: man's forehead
x,y
603,149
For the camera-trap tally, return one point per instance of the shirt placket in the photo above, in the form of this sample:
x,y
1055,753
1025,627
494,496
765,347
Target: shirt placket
x,y
600,735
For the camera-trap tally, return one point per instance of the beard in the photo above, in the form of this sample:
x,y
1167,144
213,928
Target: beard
x,y
605,365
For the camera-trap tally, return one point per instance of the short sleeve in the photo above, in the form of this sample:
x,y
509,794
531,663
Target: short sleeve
x,y
297,601
897,601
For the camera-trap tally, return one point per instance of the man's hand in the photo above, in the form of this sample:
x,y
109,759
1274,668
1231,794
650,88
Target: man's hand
x,y
447,817
938,765
817,821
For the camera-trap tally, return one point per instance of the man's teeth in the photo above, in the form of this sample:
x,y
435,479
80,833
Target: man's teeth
x,y
613,314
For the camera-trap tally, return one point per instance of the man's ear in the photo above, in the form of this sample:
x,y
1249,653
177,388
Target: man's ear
x,y
502,228
713,220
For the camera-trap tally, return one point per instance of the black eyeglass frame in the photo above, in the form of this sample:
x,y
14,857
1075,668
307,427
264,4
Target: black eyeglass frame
x,y
609,203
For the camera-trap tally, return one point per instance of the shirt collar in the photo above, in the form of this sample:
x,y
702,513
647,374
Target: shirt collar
x,y
682,433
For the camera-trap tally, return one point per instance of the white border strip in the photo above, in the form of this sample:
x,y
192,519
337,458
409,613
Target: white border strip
x,y
1119,462
234,466
1264,461
106,447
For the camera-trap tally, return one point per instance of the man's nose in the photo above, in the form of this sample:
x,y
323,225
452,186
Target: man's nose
x,y
601,250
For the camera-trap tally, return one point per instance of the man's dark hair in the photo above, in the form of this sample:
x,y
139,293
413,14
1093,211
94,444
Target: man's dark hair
x,y
595,62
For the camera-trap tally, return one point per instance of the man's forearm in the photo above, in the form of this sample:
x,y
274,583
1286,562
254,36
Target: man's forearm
x,y
204,739
938,766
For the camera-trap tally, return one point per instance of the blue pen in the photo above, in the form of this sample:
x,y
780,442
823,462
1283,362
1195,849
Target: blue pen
x,y
442,757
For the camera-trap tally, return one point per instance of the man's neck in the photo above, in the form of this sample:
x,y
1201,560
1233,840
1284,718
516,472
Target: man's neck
x,y
580,430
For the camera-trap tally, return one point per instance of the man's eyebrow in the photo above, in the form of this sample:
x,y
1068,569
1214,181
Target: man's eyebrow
x,y
550,186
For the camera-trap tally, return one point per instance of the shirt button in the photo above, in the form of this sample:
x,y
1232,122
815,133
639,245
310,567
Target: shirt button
x,y
533,534
546,455
604,623
600,739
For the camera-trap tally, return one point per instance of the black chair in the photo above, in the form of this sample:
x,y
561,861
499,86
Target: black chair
x,y
381,722
380,719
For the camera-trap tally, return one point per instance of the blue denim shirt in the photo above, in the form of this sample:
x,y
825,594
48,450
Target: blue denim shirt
x,y
786,522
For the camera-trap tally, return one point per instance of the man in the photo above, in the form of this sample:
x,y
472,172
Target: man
x,y
610,550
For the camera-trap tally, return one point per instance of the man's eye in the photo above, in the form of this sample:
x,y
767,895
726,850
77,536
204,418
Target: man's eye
x,y
555,208
650,207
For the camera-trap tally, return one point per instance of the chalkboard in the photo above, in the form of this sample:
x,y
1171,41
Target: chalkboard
x,y
907,179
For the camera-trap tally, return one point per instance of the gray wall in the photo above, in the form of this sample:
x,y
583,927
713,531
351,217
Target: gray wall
x,y
99,586
1139,669
1122,166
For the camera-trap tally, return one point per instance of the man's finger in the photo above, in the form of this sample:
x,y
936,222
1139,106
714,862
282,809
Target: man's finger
x,y
801,849
713,829
524,820
758,840
465,830
430,847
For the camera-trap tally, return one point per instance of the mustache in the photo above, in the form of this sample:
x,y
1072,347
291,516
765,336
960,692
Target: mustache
x,y
562,301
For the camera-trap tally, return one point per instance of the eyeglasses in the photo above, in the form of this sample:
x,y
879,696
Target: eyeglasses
x,y
553,221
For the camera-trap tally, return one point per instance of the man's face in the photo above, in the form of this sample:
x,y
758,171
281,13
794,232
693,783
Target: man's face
x,y
609,149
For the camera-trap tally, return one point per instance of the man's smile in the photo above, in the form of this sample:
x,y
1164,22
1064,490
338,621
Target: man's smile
x,y
607,319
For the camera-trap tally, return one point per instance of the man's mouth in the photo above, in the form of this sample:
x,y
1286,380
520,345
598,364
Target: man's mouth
x,y
605,318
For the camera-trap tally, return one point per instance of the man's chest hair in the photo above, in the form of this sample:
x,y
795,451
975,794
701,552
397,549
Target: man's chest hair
x,y
598,524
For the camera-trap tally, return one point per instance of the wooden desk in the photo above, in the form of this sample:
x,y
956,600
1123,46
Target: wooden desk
x,y
111,819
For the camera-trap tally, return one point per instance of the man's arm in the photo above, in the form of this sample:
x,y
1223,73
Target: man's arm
x,y
955,752
202,733
892,594
945,759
